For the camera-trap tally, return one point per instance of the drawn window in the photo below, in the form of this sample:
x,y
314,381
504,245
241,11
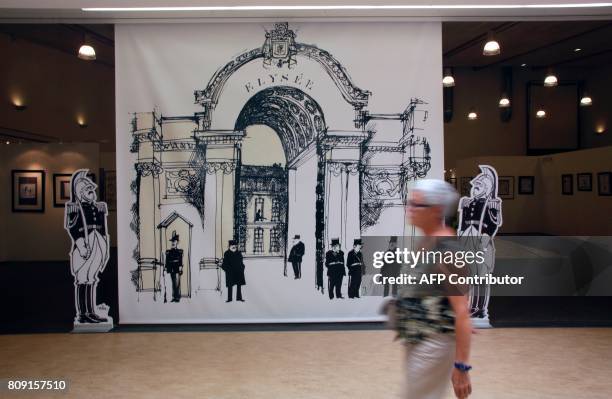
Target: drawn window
x,y
275,210
258,240
259,207
274,239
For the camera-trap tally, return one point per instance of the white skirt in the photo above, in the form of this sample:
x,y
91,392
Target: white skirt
x,y
429,365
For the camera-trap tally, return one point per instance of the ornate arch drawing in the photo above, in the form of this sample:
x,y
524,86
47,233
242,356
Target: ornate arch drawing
x,y
280,48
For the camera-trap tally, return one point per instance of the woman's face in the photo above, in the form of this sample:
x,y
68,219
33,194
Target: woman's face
x,y
419,212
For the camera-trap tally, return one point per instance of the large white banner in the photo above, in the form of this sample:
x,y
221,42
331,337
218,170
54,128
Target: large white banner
x,y
253,157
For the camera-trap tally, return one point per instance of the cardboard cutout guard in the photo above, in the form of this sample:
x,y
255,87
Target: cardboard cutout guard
x,y
85,222
480,216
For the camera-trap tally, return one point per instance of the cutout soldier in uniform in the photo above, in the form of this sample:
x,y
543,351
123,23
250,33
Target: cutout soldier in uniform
x,y
295,256
174,266
85,221
334,261
356,269
233,266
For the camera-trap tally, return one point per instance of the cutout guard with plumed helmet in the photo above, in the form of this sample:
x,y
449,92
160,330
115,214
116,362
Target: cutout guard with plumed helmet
x,y
490,174
79,179
438,193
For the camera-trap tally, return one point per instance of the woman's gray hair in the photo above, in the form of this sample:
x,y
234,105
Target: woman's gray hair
x,y
439,193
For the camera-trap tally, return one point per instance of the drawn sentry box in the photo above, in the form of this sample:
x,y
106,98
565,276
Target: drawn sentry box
x,y
175,222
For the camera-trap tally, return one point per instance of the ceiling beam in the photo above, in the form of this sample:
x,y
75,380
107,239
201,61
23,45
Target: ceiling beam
x,y
554,43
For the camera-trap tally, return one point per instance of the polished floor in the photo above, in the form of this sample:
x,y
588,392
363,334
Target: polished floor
x,y
508,363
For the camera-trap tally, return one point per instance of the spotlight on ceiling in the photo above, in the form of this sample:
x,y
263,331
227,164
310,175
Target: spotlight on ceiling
x,y
472,115
523,65
491,47
541,113
81,122
551,80
18,104
586,101
87,53
577,49
448,80
600,129
504,102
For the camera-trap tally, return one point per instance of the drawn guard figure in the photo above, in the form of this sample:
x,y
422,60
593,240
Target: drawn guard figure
x,y
480,216
356,268
295,256
85,221
233,266
391,269
334,261
174,266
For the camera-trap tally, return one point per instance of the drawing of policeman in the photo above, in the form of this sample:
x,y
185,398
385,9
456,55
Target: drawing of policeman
x,y
334,261
174,266
85,221
356,268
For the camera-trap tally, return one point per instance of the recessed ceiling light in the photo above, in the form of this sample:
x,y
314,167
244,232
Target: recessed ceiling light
x,y
491,47
504,102
8,142
577,49
523,65
586,101
551,80
541,113
472,115
600,129
448,81
87,53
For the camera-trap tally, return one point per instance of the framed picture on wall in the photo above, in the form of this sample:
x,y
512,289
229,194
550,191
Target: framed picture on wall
x,y
62,188
567,184
466,186
604,183
28,190
505,189
526,185
108,188
584,181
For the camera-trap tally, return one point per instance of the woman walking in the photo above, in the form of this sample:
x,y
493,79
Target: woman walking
x,y
433,322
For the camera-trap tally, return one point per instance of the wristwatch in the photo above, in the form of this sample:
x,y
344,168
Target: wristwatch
x,y
462,366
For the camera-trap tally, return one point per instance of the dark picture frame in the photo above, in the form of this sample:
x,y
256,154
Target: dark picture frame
x,y
567,184
466,186
505,187
62,188
28,190
584,181
604,183
526,185
532,88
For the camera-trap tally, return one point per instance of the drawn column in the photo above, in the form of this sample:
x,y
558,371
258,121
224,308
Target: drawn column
x,y
222,160
147,138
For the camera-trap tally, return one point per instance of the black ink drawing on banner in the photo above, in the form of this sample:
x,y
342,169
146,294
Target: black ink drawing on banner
x,y
233,266
480,217
295,256
85,222
357,177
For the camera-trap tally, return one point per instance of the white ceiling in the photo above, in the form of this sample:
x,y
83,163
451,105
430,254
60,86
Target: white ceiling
x,y
71,10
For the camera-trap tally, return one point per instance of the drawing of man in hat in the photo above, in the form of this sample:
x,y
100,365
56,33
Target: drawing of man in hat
x,y
295,256
356,268
334,261
174,266
85,222
233,266
480,216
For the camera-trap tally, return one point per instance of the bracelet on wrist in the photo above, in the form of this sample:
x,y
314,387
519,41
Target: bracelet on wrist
x,y
462,366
